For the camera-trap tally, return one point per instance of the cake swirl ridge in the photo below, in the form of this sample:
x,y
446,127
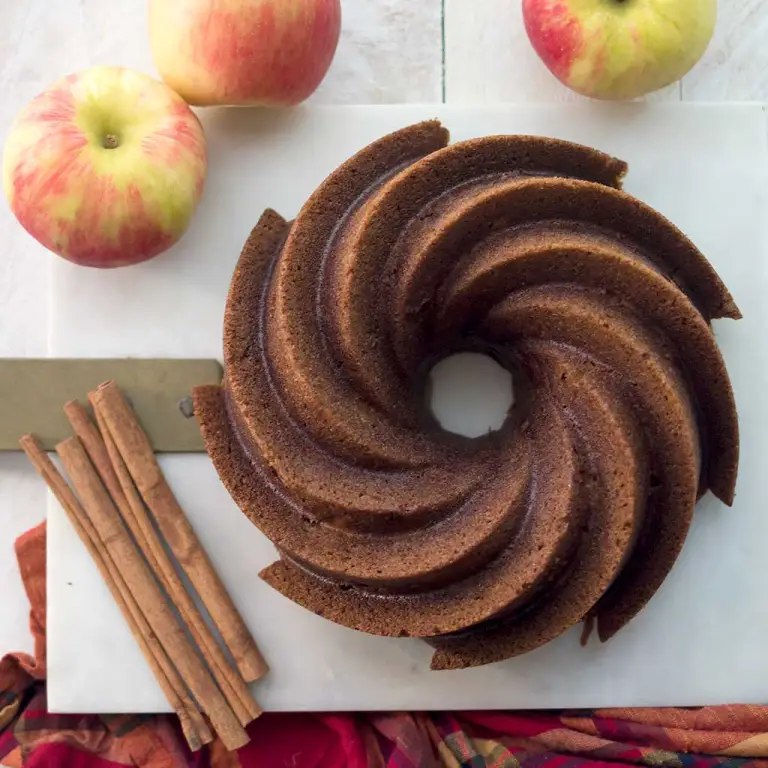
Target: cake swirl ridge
x,y
523,247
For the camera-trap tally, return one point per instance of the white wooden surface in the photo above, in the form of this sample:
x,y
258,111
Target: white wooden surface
x,y
391,51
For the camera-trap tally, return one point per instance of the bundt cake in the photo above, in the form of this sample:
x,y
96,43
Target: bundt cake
x,y
524,248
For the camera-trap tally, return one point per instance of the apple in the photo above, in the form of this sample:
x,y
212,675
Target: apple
x,y
619,49
106,167
244,52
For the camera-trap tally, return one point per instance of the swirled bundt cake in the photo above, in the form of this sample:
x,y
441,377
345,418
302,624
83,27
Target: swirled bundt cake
x,y
523,247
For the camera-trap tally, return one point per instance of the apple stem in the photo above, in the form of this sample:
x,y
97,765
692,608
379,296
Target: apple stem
x,y
110,141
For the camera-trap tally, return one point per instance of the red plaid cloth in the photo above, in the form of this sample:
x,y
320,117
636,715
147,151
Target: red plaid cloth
x,y
728,736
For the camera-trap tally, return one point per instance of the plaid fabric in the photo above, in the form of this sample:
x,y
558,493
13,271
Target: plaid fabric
x,y
711,737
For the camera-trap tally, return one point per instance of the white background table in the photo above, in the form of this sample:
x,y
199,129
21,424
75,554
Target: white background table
x,y
391,51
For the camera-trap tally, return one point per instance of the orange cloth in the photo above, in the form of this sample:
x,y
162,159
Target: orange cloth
x,y
30,552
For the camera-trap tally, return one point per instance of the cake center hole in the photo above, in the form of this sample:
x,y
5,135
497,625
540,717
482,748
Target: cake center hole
x,y
470,394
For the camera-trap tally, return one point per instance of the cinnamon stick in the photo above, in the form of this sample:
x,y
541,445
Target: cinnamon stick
x,y
228,678
193,725
89,435
95,447
140,459
145,590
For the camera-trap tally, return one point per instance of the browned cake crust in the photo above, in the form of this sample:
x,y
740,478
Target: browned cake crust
x,y
411,251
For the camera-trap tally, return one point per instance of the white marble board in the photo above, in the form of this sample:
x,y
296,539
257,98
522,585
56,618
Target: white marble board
x,y
702,638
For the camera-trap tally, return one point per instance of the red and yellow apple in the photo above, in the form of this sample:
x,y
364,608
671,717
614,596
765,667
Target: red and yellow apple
x,y
106,167
244,52
619,49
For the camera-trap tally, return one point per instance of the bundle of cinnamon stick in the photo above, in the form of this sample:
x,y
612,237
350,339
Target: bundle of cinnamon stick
x,y
117,500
